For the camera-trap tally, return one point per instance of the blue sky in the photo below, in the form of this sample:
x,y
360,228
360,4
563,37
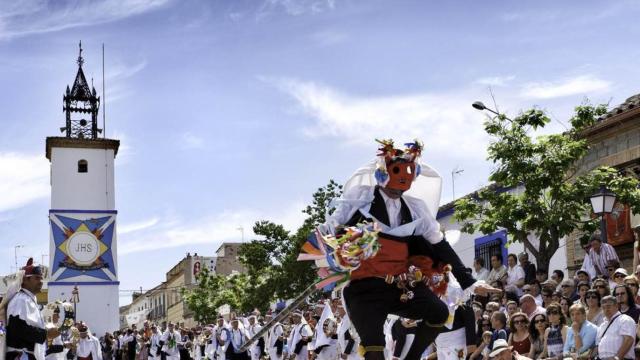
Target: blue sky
x,y
234,111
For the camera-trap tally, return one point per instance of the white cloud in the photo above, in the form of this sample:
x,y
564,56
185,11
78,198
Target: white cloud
x,y
191,141
435,118
23,178
170,232
137,226
295,7
40,16
579,85
495,80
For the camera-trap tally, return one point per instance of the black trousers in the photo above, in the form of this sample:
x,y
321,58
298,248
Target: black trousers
x,y
370,300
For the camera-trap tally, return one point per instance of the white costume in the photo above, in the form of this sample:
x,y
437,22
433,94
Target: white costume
x,y
170,341
154,345
25,307
348,339
238,337
274,333
326,347
298,332
58,355
89,346
222,341
254,350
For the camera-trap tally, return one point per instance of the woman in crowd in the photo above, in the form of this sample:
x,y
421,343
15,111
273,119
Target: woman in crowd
x,y
626,303
594,312
519,337
537,329
565,303
546,294
632,282
556,334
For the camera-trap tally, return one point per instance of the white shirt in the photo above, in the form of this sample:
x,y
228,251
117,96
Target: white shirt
x,y
89,346
610,343
514,274
483,274
24,306
393,209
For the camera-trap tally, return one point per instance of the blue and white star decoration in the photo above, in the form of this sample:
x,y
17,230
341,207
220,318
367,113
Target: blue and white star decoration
x,y
83,244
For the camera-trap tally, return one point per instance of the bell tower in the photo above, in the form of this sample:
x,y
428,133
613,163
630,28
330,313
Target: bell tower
x,y
82,217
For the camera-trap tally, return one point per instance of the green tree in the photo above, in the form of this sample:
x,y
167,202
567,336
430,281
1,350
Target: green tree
x,y
271,262
550,198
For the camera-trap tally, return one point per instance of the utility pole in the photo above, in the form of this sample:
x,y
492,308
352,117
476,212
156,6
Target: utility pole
x,y
15,254
454,172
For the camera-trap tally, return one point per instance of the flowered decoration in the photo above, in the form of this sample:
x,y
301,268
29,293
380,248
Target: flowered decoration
x,y
335,257
66,313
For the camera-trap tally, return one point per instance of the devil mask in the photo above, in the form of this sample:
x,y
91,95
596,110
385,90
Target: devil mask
x,y
397,167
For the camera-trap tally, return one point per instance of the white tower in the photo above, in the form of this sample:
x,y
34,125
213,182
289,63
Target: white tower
x,y
83,246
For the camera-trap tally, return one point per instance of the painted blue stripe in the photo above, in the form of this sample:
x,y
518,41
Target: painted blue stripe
x,y
62,211
64,283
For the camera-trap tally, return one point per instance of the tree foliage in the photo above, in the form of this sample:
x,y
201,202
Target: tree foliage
x,y
273,271
537,188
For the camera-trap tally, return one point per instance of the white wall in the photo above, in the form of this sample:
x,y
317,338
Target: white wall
x,y
98,306
71,190
465,247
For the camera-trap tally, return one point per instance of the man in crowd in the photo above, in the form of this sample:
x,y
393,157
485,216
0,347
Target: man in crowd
x,y
515,275
567,287
498,271
581,336
169,342
598,257
542,275
528,267
616,335
88,347
26,334
502,351
529,307
479,271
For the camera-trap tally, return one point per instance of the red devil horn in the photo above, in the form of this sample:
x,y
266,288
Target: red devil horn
x,y
30,262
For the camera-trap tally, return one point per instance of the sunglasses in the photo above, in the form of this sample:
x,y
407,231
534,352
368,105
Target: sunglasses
x,y
621,294
540,321
519,322
631,284
591,297
553,312
526,290
619,276
566,286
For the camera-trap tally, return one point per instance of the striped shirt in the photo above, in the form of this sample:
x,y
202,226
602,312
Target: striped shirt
x,y
599,260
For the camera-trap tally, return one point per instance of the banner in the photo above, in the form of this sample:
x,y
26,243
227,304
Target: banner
x,y
619,225
82,245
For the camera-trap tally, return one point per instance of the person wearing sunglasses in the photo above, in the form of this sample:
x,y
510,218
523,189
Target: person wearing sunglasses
x,y
626,304
546,295
537,328
519,336
556,334
583,286
581,336
602,286
632,282
594,311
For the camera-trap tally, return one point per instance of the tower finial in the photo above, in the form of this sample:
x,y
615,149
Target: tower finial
x,y
80,59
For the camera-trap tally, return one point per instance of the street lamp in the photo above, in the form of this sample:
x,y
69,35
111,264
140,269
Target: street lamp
x,y
479,105
75,299
15,254
602,204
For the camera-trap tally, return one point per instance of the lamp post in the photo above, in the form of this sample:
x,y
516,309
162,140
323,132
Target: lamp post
x,y
602,204
15,254
75,299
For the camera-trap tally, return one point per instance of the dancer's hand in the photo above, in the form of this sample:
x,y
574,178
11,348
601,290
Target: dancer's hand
x,y
484,289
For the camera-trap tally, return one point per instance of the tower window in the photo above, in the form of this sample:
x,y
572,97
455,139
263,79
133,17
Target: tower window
x,y
83,166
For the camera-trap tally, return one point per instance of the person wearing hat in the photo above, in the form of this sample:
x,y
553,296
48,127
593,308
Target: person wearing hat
x,y
222,338
618,276
257,348
299,337
502,351
169,342
347,338
55,348
88,346
596,261
25,332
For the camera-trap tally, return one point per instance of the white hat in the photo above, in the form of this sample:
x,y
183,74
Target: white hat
x,y
621,271
499,346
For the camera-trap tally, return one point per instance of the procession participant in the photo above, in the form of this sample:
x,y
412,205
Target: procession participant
x,y
209,341
88,346
299,337
403,332
154,343
55,347
257,347
409,235
169,342
222,339
25,331
130,341
348,339
326,339
275,340
238,336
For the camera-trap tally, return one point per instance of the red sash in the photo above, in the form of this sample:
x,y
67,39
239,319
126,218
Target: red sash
x,y
391,259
